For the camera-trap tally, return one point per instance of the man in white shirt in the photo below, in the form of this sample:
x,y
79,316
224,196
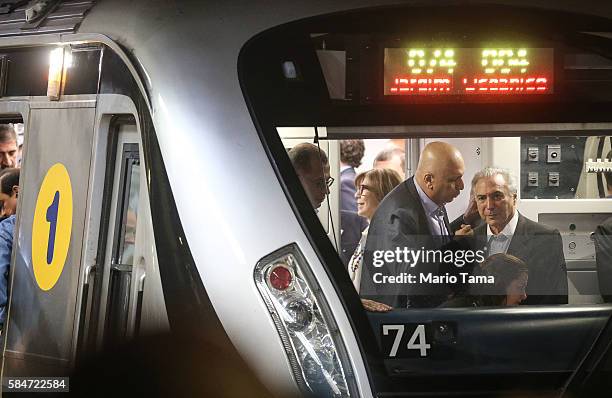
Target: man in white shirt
x,y
508,231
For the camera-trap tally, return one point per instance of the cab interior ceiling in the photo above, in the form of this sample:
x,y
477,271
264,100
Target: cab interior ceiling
x,y
582,67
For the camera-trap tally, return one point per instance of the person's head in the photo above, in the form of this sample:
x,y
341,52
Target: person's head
x,y
440,172
312,167
351,152
511,276
399,143
495,192
8,146
372,186
9,191
391,158
608,174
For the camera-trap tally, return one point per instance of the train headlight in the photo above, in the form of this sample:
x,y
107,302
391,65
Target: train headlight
x,y
305,324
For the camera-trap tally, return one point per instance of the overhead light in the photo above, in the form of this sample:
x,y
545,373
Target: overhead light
x,y
60,59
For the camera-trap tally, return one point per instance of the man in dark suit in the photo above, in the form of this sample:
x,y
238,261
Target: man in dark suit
x,y
351,153
508,231
351,224
413,218
312,167
347,189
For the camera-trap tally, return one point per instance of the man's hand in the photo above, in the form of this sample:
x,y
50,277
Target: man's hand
x,y
471,213
465,230
375,306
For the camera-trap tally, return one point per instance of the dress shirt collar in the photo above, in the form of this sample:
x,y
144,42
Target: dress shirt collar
x,y
344,167
508,229
431,208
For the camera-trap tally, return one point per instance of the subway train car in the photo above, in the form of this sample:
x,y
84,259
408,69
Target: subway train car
x,y
157,197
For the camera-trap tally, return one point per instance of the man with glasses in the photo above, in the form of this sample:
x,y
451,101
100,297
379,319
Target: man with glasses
x,y
312,168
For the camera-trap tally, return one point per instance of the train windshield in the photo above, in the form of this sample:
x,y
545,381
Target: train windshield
x,y
456,183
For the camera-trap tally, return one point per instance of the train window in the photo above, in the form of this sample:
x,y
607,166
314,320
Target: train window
x,y
127,218
556,214
124,239
127,297
512,288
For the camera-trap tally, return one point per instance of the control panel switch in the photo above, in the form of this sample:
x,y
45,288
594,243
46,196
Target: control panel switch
x,y
554,153
553,179
533,154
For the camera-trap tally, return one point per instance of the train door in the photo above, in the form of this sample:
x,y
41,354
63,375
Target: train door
x,y
126,250
85,268
121,294
47,249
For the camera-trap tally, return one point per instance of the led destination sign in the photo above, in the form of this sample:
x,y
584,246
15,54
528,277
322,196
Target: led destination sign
x,y
468,71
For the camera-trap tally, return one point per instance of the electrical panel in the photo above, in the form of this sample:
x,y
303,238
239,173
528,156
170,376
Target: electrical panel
x,y
551,167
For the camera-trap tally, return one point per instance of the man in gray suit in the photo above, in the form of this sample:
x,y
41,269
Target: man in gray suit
x,y
413,218
508,231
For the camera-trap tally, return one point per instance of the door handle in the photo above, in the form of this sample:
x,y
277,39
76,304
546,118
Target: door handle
x,y
139,298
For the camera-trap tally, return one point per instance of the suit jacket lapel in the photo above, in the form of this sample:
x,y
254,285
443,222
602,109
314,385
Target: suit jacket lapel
x,y
480,238
517,244
422,217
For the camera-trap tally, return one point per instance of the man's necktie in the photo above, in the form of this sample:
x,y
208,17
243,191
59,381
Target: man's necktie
x,y
439,214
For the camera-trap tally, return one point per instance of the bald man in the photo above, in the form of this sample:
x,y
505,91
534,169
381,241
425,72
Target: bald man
x,y
413,218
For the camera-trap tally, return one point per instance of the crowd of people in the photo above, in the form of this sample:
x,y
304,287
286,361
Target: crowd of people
x,y
522,261
10,155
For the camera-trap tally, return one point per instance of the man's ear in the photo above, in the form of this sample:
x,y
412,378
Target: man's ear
x,y
15,190
428,179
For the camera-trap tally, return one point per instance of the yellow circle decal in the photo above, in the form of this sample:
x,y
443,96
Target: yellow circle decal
x,y
52,226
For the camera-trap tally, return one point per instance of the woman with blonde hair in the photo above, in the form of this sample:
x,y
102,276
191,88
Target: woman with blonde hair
x,y
372,186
